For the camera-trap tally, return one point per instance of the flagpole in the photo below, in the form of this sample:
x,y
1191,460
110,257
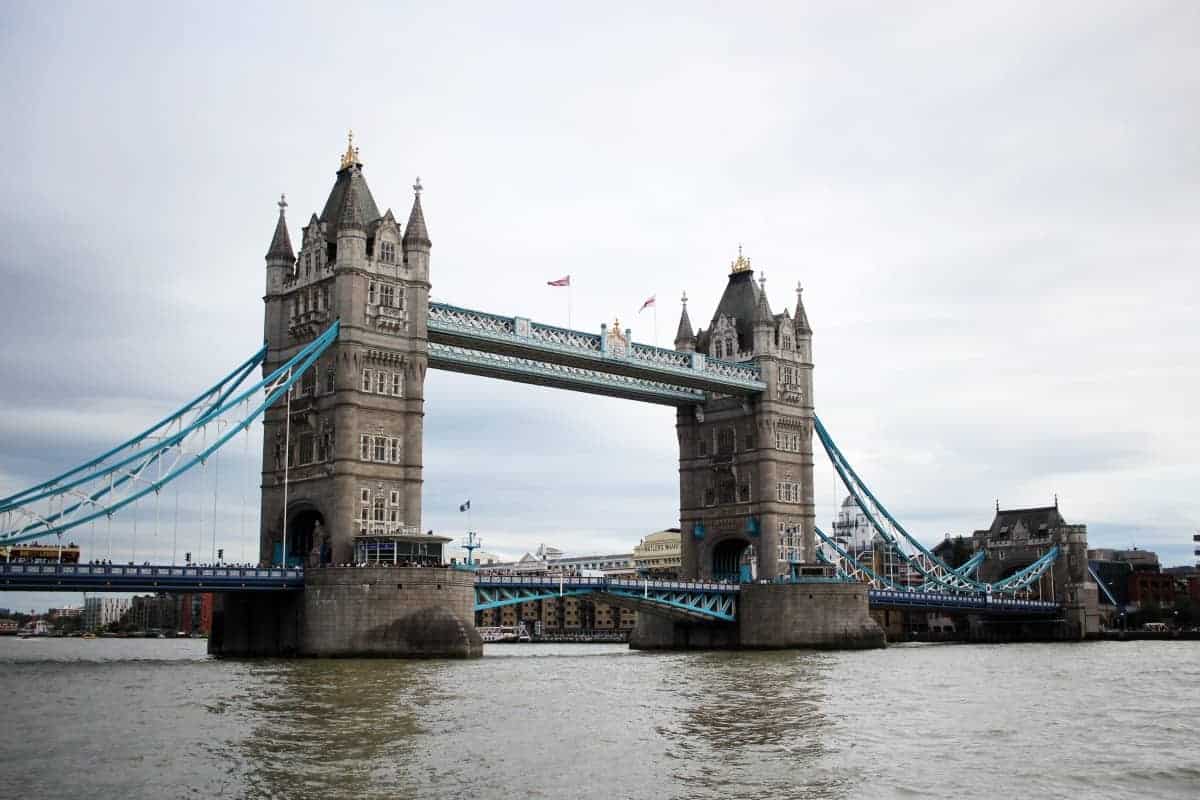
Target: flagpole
x,y
656,320
569,290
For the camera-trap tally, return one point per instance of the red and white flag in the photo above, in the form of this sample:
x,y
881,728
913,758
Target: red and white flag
x,y
564,281
649,302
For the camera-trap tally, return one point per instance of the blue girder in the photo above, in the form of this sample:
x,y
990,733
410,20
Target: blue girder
x,y
936,572
691,599
91,489
534,344
147,578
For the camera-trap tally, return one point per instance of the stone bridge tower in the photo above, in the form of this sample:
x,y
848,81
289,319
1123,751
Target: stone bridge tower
x,y
745,466
352,450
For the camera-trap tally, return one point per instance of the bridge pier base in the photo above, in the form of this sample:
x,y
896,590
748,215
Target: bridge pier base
x,y
350,612
817,615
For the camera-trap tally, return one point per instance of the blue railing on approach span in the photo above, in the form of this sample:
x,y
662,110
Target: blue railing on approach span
x,y
946,601
599,584
147,578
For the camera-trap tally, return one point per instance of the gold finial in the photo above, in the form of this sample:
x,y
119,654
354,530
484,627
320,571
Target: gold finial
x,y
282,203
417,187
741,265
684,299
350,157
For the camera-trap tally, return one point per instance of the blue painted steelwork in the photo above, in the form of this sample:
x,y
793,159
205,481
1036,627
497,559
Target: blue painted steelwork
x,y
20,522
950,601
695,599
935,571
1104,589
518,337
157,578
497,365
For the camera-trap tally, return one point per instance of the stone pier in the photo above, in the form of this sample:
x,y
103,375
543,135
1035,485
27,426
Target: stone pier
x,y
817,615
415,612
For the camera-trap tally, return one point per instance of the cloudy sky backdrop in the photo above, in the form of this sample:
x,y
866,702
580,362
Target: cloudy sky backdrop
x,y
993,212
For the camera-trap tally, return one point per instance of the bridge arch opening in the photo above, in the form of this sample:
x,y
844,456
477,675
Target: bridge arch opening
x,y
308,539
733,561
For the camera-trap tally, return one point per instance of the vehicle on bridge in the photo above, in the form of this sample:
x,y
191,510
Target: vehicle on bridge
x,y
36,553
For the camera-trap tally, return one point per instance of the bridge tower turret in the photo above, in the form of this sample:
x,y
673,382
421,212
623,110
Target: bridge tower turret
x,y
746,465
351,450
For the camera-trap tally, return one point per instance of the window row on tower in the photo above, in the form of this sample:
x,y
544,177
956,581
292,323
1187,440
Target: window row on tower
x,y
388,295
314,298
788,441
788,491
379,449
379,512
378,381
727,490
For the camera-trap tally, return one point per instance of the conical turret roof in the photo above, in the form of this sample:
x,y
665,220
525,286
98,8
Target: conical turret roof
x,y
350,188
800,323
416,231
281,243
684,332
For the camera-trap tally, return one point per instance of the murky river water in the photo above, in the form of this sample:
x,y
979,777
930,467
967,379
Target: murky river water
x,y
157,718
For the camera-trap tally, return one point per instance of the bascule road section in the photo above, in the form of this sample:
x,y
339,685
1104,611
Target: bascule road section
x,y
345,565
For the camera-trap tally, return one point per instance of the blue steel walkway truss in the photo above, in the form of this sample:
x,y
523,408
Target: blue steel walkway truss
x,y
518,349
686,600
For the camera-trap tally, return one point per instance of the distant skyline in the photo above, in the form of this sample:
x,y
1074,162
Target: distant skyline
x,y
991,210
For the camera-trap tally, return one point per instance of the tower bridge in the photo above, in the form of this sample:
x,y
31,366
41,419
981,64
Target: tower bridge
x,y
350,333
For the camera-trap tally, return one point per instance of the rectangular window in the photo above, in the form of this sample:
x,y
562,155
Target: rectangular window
x,y
364,495
744,491
371,293
398,384
308,383
381,382
703,446
394,447
365,446
366,380
727,491
330,380
387,295
325,297
323,446
725,441
710,496
308,445
394,497
381,448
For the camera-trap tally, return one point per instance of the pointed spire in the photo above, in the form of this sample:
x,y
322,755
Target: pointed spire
x,y
742,264
762,309
416,232
685,339
281,243
800,323
350,157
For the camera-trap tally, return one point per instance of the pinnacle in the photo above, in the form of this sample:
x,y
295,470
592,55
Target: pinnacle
x,y
281,243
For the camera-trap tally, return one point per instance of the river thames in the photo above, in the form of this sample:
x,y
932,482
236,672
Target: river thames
x,y
158,718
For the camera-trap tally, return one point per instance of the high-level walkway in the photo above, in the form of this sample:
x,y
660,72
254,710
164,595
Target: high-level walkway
x,y
608,363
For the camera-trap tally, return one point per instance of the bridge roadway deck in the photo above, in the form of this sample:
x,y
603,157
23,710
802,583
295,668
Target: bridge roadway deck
x,y
153,578
693,599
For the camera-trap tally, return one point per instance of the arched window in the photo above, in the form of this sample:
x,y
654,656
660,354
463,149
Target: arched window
x,y
719,353
729,348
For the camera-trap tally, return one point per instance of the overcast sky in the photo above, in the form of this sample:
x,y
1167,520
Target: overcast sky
x,y
992,210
